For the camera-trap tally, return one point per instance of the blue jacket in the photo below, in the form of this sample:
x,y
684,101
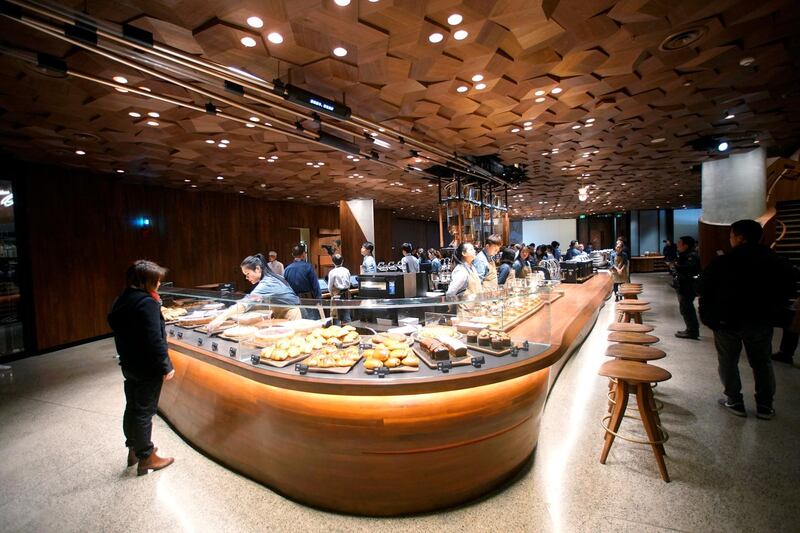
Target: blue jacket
x,y
303,278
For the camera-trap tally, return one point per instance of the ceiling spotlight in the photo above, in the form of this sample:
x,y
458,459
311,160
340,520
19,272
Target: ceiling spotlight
x,y
658,140
249,42
576,127
729,116
342,3
225,141
540,100
261,157
255,22
722,146
528,128
529,123
254,119
153,114
250,125
435,37
275,38
120,171
756,141
80,152
210,141
460,35
589,120
747,61
455,19
477,77
462,88
556,90
220,178
539,93
134,114
120,79
309,163
152,123
145,89
515,130
480,86
220,145
273,157
339,51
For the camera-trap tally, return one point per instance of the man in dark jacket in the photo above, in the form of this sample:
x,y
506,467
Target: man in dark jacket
x,y
686,270
743,295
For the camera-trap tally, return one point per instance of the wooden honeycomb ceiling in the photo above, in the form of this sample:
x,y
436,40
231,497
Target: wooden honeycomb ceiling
x,y
579,92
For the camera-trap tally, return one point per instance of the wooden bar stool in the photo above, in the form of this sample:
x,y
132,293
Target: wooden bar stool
x,y
628,337
638,376
632,352
634,328
627,312
631,286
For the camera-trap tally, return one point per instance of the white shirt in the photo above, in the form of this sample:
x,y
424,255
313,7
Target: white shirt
x,y
459,279
276,266
368,265
338,280
409,263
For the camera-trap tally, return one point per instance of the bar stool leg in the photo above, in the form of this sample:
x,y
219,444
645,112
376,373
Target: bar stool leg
x,y
656,417
621,397
643,399
637,317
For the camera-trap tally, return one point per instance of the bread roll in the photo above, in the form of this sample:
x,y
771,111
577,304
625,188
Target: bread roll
x,y
372,364
392,362
410,360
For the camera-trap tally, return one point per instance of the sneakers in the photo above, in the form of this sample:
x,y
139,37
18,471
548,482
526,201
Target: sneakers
x,y
687,335
765,413
736,408
781,357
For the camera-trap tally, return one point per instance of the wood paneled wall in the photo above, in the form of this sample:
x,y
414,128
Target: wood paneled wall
x,y
83,235
420,233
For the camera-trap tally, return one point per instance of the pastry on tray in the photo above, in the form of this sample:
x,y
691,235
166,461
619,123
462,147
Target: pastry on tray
x,y
240,332
472,336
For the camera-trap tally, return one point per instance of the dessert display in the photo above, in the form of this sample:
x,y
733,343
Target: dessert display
x,y
436,349
472,336
390,339
496,342
287,350
272,334
172,313
436,331
398,358
341,335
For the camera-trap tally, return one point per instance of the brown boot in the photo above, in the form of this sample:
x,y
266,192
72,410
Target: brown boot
x,y
153,462
132,459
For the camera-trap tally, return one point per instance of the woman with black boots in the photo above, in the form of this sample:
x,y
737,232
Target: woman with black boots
x,y
141,341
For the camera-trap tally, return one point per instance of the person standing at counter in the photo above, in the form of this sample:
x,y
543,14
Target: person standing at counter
x,y
302,278
368,263
269,288
506,271
141,342
408,263
273,264
484,262
436,260
339,284
464,279
687,268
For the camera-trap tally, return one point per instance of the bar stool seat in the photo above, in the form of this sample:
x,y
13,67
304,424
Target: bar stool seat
x,y
635,375
629,337
633,352
627,312
634,328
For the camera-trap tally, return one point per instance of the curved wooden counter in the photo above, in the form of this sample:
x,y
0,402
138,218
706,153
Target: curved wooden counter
x,y
379,448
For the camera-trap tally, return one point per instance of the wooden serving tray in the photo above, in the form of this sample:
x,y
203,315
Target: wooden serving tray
x,y
286,362
489,350
400,368
220,329
431,363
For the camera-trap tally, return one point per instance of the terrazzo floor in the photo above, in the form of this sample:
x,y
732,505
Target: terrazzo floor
x,y
63,458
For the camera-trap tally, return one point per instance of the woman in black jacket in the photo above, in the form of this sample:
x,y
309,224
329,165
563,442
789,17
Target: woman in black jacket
x,y
141,340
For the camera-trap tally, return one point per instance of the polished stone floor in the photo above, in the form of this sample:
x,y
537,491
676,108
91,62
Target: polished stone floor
x,y
63,458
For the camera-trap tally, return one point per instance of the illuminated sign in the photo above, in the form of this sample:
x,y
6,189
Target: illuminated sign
x,y
7,201
313,101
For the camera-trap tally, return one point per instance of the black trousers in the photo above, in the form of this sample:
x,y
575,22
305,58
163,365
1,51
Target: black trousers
x,y
141,403
757,341
789,341
688,312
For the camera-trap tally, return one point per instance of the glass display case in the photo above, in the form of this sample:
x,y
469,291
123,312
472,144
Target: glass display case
x,y
366,338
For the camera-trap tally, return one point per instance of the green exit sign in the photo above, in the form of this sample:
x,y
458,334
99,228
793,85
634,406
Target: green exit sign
x,y
582,216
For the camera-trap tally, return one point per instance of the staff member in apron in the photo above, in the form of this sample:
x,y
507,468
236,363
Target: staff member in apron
x,y
484,262
464,279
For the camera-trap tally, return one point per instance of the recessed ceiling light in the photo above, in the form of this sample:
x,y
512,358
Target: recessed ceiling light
x,y
539,93
730,116
187,180
220,145
342,3
515,130
261,157
545,153
241,192
273,157
455,19
320,163
152,123
462,88
255,22
275,38
556,90
460,35
249,42
477,77
528,128
309,163
747,61
194,186
480,86
356,160
588,125
145,89
540,99
722,146
589,120
349,157
134,114
250,125
435,37
120,79
153,114
576,127
120,171
756,141
339,51
220,178
529,123
658,140
210,141
255,119
225,141
80,152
